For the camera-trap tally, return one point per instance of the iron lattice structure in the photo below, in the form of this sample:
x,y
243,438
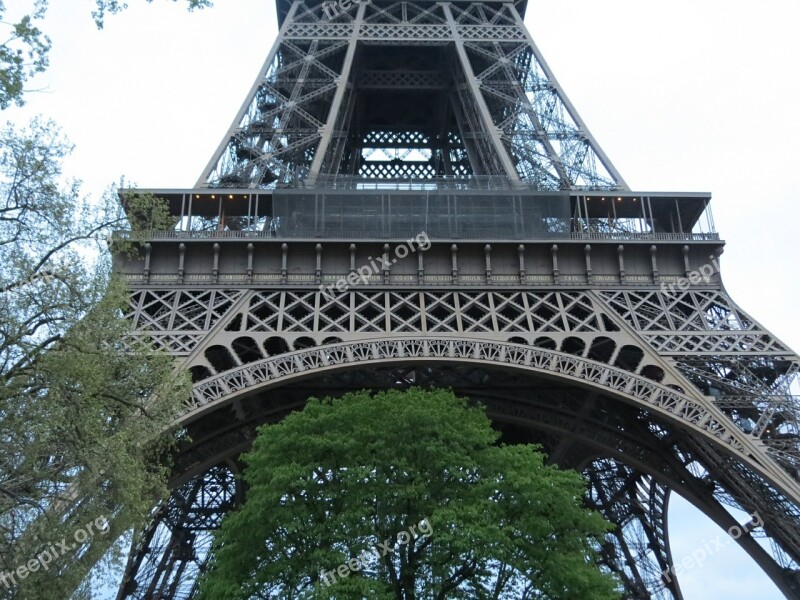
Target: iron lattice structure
x,y
341,90
407,197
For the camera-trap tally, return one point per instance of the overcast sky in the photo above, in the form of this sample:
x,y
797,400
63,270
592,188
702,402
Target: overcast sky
x,y
686,95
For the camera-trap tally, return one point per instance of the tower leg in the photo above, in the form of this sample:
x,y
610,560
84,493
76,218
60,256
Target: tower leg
x,y
637,551
168,557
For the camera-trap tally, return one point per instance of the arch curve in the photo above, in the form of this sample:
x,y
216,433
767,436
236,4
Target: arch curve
x,y
611,433
691,412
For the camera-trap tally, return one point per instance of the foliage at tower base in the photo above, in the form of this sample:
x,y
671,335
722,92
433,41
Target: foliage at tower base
x,y
81,404
404,494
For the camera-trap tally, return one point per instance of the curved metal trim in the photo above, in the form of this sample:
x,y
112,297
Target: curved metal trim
x,y
676,407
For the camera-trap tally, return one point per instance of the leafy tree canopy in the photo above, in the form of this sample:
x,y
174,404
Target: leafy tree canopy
x,y
112,7
81,402
404,494
24,51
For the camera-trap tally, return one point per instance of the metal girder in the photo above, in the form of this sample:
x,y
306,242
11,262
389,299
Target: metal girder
x,y
489,128
615,336
334,115
646,389
167,558
512,116
605,439
580,125
637,551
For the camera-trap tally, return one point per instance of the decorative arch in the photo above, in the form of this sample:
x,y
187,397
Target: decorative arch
x,y
598,439
689,412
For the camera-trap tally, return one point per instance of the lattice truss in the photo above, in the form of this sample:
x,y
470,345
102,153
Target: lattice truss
x,y
637,551
170,554
548,143
727,355
483,152
397,121
750,375
717,347
308,113
177,320
273,141
641,459
736,486
604,440
470,149
740,486
412,155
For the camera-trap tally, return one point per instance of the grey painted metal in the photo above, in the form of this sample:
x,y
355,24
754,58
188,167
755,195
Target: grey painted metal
x,y
607,338
571,108
361,328
336,105
206,174
477,96
525,128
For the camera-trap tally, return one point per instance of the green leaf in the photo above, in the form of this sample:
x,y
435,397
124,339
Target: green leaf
x,y
347,474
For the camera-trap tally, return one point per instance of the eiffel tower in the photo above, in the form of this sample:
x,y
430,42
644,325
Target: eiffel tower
x,y
408,197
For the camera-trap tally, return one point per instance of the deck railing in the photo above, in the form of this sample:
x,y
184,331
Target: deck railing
x,y
466,234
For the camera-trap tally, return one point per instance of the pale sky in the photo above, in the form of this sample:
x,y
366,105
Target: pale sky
x,y
686,95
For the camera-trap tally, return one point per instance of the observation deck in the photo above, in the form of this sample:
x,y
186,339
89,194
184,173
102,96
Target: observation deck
x,y
316,234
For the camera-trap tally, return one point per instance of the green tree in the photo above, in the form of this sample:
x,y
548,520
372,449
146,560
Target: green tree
x,y
82,403
347,475
112,7
24,51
